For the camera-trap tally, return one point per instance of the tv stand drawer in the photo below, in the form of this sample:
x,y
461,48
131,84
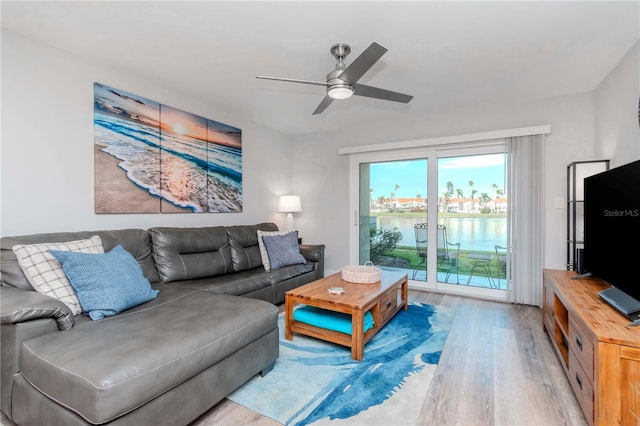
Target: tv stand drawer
x,y
581,346
581,384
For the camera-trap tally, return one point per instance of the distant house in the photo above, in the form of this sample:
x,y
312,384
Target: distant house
x,y
399,204
453,205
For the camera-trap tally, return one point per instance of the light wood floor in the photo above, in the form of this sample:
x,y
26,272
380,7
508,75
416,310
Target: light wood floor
x,y
497,368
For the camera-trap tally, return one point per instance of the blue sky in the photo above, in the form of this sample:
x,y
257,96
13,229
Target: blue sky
x,y
410,175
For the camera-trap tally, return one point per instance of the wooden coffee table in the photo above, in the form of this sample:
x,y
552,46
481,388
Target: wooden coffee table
x,y
384,299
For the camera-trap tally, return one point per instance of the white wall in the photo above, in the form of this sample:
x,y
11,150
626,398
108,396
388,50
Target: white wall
x,y
617,131
593,125
320,175
47,147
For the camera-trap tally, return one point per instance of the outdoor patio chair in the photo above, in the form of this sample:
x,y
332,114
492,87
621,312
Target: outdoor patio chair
x,y
447,252
453,252
482,262
501,262
421,231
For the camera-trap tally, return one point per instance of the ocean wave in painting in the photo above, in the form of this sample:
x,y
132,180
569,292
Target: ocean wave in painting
x,y
190,173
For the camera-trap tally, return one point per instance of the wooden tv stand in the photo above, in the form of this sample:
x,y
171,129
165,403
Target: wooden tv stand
x,y
599,352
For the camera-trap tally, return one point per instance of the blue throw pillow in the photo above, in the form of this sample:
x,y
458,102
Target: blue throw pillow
x,y
106,284
283,250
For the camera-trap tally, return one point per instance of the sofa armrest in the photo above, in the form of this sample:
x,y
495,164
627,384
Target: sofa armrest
x,y
313,253
18,305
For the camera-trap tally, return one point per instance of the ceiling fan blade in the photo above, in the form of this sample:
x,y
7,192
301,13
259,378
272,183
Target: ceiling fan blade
x,y
363,62
374,92
323,105
293,80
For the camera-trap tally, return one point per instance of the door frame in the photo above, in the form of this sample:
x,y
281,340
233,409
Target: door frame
x,y
431,154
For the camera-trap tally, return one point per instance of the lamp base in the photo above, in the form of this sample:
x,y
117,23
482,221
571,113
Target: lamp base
x,y
289,226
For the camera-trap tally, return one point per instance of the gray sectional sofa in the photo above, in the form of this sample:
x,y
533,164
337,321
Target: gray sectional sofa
x,y
211,328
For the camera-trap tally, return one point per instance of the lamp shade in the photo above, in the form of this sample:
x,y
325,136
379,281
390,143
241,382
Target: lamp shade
x,y
289,204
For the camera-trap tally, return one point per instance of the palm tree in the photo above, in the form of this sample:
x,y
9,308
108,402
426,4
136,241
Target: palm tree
x,y
495,188
447,196
395,192
460,194
484,199
472,192
499,192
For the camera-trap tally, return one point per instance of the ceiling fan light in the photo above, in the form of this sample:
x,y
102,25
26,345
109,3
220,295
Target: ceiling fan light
x,y
340,91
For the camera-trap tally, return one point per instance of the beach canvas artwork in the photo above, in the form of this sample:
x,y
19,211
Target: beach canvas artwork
x,y
152,158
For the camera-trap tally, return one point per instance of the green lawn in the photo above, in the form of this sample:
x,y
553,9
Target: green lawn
x,y
409,254
464,266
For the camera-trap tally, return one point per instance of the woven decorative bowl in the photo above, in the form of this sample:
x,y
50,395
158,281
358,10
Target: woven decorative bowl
x,y
362,274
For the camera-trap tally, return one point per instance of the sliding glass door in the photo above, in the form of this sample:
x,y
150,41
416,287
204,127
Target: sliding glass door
x,y
472,210
456,198
393,200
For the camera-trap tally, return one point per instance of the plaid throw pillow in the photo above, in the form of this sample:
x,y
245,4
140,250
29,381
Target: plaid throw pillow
x,y
45,273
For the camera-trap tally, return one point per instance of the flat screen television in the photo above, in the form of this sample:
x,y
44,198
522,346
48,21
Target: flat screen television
x,y
612,227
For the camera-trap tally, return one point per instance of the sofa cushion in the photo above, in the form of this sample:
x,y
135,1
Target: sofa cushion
x,y
237,283
287,272
104,369
191,253
107,283
245,251
138,243
45,273
255,282
283,250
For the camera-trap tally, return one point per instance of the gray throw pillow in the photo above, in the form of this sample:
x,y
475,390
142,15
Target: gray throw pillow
x,y
263,250
283,250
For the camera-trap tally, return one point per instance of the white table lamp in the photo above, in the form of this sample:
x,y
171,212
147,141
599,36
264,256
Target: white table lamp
x,y
289,204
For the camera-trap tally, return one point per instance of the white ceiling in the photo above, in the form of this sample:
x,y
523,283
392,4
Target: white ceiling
x,y
447,54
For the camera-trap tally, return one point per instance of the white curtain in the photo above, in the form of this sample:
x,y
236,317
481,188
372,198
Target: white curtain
x,y
526,219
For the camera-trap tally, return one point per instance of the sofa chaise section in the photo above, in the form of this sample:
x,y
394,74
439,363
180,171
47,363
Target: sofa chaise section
x,y
102,370
165,361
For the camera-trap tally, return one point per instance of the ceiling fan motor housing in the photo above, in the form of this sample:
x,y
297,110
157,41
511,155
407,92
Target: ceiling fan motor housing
x,y
338,88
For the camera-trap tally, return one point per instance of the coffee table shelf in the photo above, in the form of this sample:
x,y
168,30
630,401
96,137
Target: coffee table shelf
x,y
383,299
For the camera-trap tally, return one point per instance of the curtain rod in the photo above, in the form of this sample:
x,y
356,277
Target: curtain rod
x,y
470,137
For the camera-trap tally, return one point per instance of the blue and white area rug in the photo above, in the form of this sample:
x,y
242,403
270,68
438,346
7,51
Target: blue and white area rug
x,y
316,382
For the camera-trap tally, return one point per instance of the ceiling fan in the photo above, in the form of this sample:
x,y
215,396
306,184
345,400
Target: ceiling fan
x,y
342,82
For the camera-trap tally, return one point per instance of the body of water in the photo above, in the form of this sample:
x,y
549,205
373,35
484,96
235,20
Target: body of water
x,y
473,233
